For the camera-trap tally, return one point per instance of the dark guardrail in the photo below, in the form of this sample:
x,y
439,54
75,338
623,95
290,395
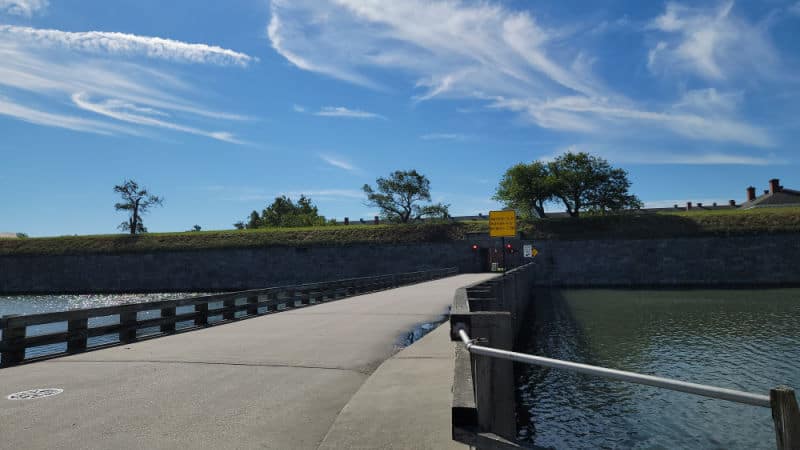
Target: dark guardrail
x,y
234,306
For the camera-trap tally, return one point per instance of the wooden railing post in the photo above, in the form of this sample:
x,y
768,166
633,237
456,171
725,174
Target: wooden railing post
x,y
252,305
13,335
78,336
128,322
229,303
289,298
305,297
272,306
168,313
786,416
202,310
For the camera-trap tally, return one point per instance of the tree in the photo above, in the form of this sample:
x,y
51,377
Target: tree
x,y
137,202
584,182
398,196
526,188
283,212
196,228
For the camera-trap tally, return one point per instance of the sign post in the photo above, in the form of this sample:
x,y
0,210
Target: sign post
x,y
503,224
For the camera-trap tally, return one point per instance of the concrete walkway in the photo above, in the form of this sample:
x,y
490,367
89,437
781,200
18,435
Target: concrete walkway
x,y
278,381
405,404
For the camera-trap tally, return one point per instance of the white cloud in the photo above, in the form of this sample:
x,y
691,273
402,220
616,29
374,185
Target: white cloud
x,y
709,101
250,194
69,122
120,90
444,136
486,51
125,112
667,157
298,108
26,8
126,45
341,111
339,163
714,44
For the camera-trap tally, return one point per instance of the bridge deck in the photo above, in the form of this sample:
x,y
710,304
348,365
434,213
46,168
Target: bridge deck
x,y
276,381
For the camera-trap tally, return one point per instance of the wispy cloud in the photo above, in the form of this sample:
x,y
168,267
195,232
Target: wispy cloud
x,y
26,8
485,51
341,111
712,43
298,108
127,113
69,122
338,163
668,157
125,94
444,137
250,194
127,45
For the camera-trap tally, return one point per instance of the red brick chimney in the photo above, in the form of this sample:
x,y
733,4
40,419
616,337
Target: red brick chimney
x,y
774,185
751,194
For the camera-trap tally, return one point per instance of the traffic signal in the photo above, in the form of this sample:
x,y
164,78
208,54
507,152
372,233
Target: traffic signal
x,y
475,247
509,248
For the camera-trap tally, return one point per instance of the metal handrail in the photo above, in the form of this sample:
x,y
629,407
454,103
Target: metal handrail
x,y
632,377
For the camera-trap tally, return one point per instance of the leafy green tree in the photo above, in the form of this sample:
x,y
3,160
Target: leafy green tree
x,y
584,182
399,195
196,228
526,188
283,212
137,202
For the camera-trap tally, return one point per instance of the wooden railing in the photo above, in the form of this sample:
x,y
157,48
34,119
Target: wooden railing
x,y
235,305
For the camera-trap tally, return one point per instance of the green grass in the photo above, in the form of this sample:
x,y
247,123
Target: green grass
x,y
187,241
623,226
667,224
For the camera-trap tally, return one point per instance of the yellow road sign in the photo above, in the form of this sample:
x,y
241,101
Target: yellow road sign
x,y
502,223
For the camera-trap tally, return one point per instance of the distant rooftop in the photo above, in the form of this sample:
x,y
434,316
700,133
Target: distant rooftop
x,y
775,196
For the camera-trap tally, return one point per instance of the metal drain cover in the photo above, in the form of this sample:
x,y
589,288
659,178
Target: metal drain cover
x,y
35,393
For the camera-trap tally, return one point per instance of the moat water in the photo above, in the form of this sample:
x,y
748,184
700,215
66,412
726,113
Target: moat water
x,y
741,339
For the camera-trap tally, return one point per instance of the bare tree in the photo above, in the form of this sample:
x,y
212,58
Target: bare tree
x,y
137,202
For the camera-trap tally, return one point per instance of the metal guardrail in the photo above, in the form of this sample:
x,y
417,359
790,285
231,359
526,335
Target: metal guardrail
x,y
16,341
781,399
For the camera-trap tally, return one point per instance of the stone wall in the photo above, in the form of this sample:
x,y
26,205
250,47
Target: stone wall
x,y
223,270
759,260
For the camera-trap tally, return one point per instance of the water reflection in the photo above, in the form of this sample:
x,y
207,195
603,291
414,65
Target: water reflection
x,y
741,339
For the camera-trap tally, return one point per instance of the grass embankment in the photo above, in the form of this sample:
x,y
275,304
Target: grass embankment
x,y
202,240
667,224
623,226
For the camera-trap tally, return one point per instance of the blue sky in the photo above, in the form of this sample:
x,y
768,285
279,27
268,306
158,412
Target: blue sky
x,y
221,106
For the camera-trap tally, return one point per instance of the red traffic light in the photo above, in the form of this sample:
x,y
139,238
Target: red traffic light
x,y
508,246
474,246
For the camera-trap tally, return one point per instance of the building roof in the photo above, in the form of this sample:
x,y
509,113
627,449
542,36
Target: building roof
x,y
784,197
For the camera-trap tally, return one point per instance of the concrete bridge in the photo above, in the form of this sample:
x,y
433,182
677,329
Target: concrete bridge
x,y
327,376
